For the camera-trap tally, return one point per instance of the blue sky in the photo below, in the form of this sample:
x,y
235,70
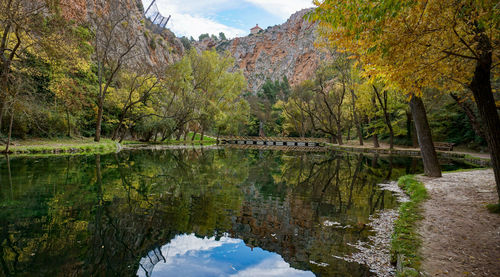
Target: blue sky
x,y
233,17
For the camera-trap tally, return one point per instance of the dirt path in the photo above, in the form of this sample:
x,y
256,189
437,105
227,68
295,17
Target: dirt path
x,y
460,237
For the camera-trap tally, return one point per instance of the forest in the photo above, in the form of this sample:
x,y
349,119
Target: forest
x,y
65,74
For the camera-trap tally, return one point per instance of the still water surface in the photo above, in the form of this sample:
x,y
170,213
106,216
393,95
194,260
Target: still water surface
x,y
191,212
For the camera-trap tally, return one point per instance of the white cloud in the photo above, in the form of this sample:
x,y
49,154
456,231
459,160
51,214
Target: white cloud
x,y
193,18
282,8
181,251
271,267
188,255
189,25
196,17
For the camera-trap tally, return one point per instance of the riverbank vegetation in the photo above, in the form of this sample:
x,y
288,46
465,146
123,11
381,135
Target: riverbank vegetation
x,y
405,239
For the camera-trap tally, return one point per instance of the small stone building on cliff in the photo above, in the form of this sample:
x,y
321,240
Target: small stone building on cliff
x,y
255,30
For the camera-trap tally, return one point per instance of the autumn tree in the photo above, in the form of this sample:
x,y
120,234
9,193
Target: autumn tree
x,y
135,89
29,30
418,44
114,41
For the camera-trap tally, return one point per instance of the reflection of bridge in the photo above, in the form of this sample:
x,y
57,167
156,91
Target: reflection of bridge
x,y
273,141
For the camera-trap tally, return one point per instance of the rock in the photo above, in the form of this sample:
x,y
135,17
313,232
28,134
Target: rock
x,y
282,50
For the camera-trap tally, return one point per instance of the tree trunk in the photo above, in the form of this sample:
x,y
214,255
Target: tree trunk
x,y
481,88
429,156
473,120
116,131
194,135
355,117
409,128
202,134
100,103
122,137
339,133
69,124
10,131
2,111
414,138
261,129
375,136
375,141
387,118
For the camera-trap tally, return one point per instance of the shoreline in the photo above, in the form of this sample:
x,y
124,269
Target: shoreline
x,y
88,146
68,146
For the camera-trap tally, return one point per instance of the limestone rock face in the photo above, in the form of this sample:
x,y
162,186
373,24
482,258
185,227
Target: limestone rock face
x,y
156,46
282,50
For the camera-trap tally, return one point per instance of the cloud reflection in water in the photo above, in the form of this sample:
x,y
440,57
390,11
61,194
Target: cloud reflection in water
x,y
188,255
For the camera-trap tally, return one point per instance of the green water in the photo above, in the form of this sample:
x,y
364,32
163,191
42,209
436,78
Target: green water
x,y
120,214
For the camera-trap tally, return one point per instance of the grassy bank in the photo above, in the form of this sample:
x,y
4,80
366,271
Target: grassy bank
x,y
37,146
197,141
62,145
405,240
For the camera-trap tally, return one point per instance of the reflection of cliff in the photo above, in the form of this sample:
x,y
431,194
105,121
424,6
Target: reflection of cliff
x,y
332,190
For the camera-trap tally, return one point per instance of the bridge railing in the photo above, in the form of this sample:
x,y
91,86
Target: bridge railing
x,y
274,139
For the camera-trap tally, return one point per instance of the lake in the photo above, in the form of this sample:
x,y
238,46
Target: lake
x,y
192,212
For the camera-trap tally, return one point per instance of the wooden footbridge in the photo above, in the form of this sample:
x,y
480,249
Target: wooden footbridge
x,y
273,141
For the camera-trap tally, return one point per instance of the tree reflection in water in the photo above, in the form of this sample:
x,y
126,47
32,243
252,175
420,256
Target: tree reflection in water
x,y
103,215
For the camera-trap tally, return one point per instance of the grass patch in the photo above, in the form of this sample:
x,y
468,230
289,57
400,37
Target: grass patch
x,y
62,145
493,208
405,240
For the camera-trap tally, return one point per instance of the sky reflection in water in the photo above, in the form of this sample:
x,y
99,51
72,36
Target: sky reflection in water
x,y
188,255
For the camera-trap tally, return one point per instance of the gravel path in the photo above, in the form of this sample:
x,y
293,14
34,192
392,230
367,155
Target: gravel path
x,y
459,236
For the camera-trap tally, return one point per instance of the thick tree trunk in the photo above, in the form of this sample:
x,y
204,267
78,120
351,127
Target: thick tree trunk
x,y
414,137
481,88
202,134
99,120
429,156
339,133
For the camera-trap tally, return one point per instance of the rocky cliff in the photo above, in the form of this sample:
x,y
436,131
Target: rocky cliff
x,y
282,50
155,46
